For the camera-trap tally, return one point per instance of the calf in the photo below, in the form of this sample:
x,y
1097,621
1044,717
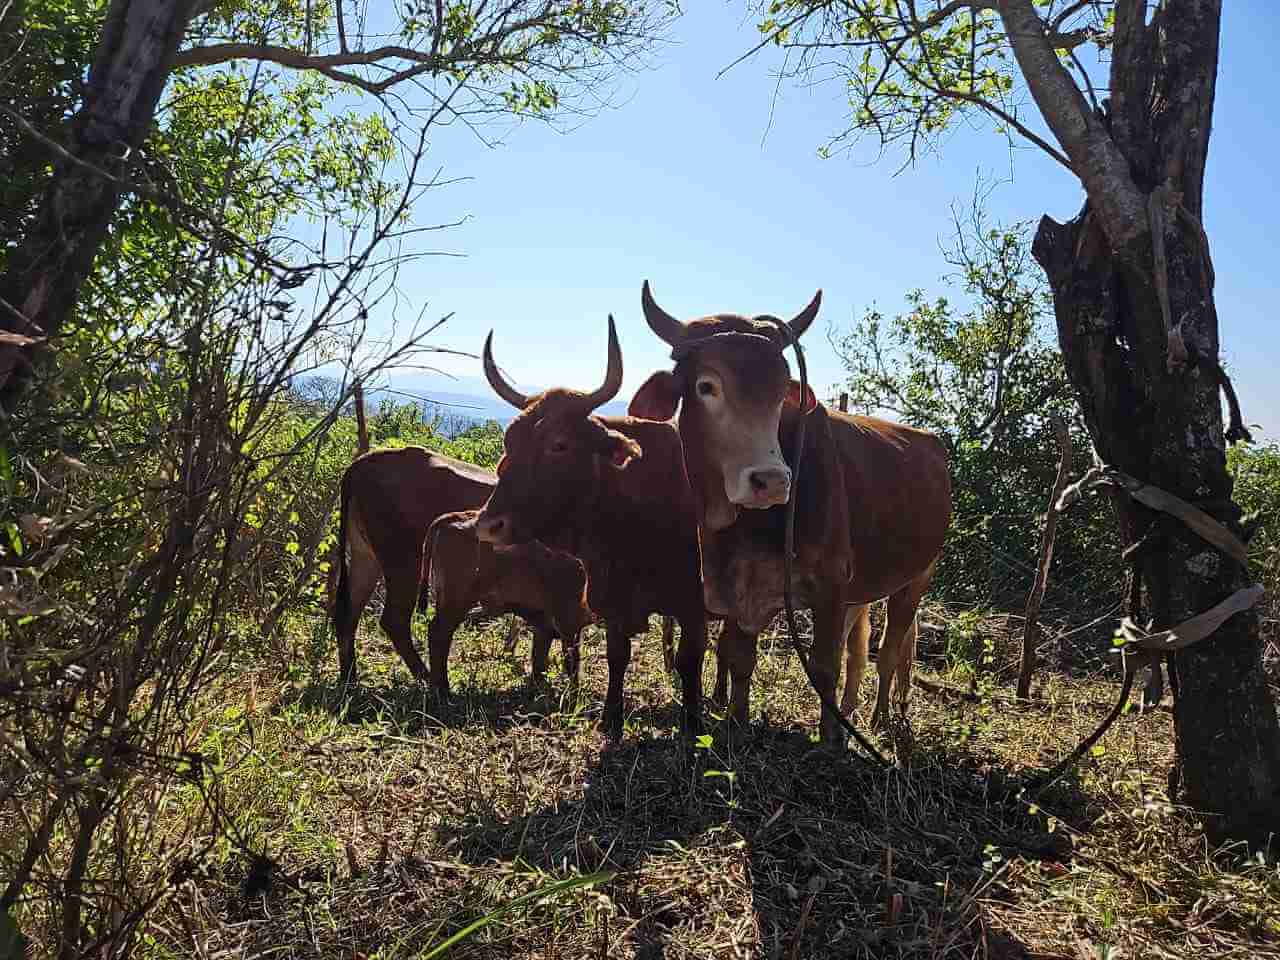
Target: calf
x,y
546,587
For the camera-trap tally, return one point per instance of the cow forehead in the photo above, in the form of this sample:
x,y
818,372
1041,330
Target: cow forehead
x,y
755,371
556,408
764,326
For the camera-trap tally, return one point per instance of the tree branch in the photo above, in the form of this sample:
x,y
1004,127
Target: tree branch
x,y
1095,158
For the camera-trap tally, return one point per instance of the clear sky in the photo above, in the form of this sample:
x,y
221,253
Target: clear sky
x,y
689,184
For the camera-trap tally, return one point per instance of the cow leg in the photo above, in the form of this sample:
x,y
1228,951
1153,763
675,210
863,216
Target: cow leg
x,y
363,575
397,617
439,639
513,637
895,645
571,650
720,696
906,658
736,653
689,659
828,627
619,653
668,644
857,640
542,637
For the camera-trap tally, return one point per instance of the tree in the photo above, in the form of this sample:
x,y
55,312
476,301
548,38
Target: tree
x,y
1132,284
465,60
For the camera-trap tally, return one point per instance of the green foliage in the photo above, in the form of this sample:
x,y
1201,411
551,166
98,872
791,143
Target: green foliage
x,y
986,377
909,71
1256,474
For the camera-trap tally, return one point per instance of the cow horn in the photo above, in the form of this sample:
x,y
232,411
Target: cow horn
x,y
660,322
500,386
800,322
613,376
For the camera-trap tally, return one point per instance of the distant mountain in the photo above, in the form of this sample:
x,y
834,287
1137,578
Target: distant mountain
x,y
463,397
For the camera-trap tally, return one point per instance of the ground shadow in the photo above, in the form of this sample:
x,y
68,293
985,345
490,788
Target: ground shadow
x,y
764,836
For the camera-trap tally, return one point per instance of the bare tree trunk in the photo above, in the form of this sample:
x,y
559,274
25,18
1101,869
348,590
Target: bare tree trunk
x,y
1031,625
1133,296
42,279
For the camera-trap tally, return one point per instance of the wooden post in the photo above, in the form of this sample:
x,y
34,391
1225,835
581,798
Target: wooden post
x,y
844,403
362,426
1031,628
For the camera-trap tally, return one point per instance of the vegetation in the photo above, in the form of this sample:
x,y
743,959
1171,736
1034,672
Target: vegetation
x,y
986,378
178,774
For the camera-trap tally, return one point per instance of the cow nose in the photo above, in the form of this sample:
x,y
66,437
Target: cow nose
x,y
493,529
769,486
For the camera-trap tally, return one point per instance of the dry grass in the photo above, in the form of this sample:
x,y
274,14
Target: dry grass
x,y
382,832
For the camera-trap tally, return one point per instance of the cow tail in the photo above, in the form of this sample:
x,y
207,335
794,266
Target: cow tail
x,y
342,595
424,575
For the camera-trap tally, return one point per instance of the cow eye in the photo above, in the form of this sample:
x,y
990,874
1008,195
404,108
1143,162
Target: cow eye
x,y
560,446
706,388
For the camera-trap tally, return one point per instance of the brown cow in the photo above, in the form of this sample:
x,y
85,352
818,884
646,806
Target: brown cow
x,y
873,507
546,587
582,481
389,500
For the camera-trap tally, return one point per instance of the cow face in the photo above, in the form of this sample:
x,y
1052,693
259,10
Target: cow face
x,y
554,452
733,383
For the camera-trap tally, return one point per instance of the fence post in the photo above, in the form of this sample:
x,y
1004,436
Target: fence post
x,y
362,427
844,403
1031,628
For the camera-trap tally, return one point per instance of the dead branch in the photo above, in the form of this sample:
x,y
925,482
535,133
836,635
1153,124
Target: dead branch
x,y
1031,626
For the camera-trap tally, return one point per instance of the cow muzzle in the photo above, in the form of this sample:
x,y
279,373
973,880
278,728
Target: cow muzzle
x,y
760,486
494,528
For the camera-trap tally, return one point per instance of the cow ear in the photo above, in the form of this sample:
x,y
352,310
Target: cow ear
x,y
657,399
793,397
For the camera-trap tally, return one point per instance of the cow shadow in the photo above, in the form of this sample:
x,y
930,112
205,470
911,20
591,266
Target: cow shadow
x,y
763,834
409,708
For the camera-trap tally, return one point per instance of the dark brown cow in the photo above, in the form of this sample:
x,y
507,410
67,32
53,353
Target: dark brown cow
x,y
389,500
613,491
873,507
545,587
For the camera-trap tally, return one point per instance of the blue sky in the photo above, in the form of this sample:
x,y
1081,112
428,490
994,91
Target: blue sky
x,y
680,184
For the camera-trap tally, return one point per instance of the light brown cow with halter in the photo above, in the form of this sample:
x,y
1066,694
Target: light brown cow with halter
x,y
873,507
